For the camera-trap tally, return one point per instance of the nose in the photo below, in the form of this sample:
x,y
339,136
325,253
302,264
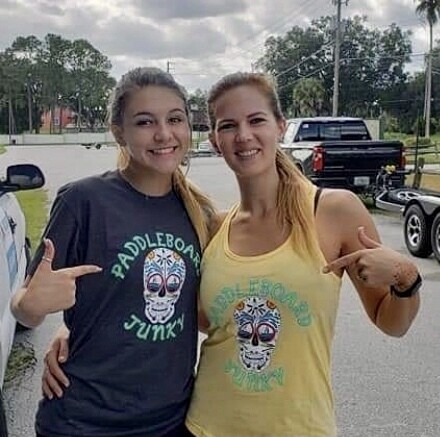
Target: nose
x,y
162,133
244,133
254,340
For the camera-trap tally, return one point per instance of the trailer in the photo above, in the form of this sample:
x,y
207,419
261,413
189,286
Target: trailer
x,y
422,226
421,216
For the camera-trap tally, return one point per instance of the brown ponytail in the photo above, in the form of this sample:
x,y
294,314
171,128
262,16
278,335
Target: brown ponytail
x,y
198,205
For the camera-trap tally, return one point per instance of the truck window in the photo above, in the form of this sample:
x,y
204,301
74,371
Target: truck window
x,y
329,131
345,131
308,132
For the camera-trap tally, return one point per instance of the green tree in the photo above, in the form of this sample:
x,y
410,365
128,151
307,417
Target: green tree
x,y
308,97
53,59
37,76
199,109
11,92
28,50
430,10
299,53
371,61
90,83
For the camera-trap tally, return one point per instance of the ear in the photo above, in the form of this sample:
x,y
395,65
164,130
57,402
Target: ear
x,y
117,133
211,138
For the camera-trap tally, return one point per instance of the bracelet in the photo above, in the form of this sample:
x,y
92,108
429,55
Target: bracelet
x,y
411,291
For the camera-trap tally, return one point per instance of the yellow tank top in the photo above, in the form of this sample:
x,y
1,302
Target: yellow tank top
x,y
265,368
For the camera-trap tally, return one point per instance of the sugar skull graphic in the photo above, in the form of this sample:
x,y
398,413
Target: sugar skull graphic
x,y
164,275
258,324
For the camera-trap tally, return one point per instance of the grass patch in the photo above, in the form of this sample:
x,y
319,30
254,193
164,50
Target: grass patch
x,y
34,204
21,359
2,149
425,145
430,158
430,182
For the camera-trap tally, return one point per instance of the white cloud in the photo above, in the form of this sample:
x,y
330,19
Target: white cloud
x,y
188,9
203,39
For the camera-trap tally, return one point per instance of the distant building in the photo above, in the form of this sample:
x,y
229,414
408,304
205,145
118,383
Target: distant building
x,y
64,117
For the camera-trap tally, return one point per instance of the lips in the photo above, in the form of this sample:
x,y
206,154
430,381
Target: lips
x,y
247,153
163,151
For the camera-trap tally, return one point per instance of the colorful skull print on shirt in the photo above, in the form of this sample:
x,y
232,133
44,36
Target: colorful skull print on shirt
x,y
164,276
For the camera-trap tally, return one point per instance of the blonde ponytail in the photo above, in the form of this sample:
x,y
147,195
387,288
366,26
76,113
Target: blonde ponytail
x,y
295,206
123,158
200,208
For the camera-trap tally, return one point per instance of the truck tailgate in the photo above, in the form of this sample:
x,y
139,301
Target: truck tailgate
x,y
355,164
362,156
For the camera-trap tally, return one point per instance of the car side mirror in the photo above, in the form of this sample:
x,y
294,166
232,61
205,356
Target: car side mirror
x,y
22,177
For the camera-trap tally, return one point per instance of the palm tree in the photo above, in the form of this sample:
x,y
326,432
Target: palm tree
x,y
308,97
430,10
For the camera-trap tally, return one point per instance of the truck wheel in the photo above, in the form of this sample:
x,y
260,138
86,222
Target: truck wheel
x,y
417,231
402,195
435,237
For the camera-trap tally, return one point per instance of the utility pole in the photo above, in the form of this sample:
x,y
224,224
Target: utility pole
x,y
29,104
428,88
337,57
169,66
11,129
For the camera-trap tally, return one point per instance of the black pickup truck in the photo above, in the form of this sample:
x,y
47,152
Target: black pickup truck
x,y
338,152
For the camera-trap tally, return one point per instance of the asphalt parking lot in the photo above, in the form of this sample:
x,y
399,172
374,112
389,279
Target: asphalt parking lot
x,y
384,387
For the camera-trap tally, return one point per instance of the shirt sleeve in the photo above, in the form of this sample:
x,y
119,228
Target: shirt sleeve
x,y
63,230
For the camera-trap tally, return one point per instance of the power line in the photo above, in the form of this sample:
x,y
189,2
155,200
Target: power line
x,y
294,11
278,25
297,12
317,70
287,70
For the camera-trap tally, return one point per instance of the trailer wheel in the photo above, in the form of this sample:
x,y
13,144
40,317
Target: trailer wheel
x,y
417,232
403,195
435,237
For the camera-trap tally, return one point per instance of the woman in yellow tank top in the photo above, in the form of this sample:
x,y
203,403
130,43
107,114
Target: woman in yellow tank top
x,y
271,280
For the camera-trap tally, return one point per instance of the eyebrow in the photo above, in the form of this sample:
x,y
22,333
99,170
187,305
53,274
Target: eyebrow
x,y
248,116
150,114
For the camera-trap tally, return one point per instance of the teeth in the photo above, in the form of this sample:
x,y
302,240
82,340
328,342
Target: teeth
x,y
163,151
248,152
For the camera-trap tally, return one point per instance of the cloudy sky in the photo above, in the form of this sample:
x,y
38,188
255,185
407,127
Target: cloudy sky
x,y
201,39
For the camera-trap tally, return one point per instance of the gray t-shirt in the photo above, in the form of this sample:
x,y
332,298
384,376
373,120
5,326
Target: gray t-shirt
x,y
133,328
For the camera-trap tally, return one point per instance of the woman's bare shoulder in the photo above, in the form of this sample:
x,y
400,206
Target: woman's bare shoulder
x,y
339,200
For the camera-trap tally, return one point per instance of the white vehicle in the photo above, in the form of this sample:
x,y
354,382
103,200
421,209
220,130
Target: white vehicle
x,y
14,254
205,148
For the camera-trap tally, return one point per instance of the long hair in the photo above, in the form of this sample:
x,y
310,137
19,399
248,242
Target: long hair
x,y
294,199
199,207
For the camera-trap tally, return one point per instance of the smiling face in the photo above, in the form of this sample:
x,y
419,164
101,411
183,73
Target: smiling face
x,y
155,130
246,130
